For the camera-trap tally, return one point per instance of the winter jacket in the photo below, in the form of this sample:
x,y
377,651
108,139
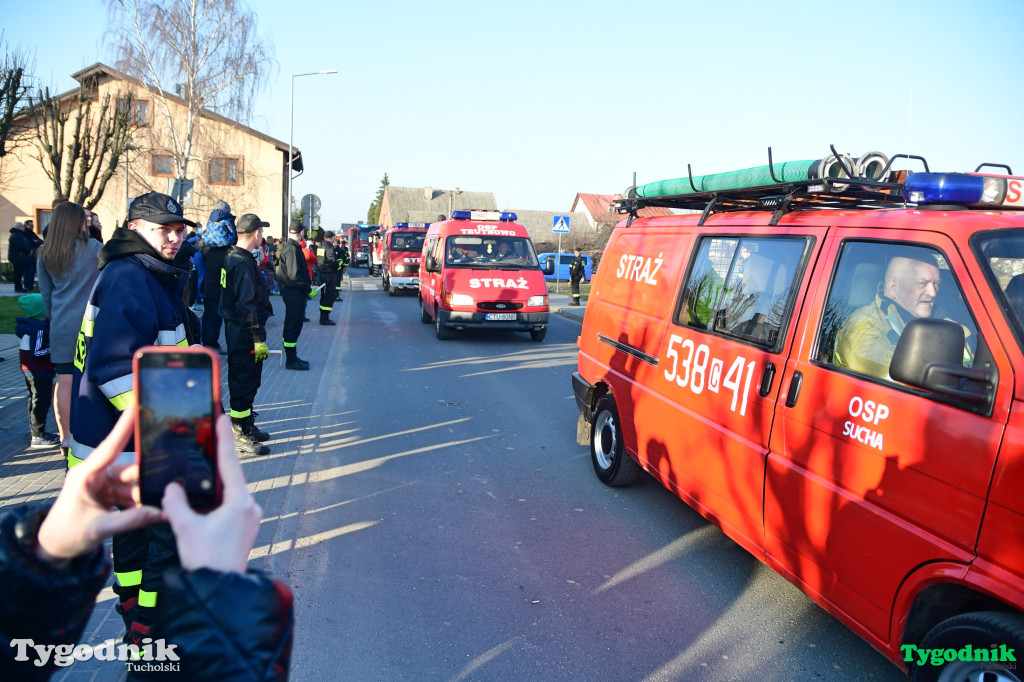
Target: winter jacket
x,y
35,345
213,258
326,257
65,297
248,638
292,269
576,269
244,300
22,245
137,301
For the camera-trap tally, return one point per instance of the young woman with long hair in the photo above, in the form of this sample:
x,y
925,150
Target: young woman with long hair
x,y
68,266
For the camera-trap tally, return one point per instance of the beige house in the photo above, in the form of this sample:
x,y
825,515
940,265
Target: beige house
x,y
230,161
427,205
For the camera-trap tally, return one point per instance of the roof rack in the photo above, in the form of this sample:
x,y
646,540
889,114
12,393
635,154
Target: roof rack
x,y
835,187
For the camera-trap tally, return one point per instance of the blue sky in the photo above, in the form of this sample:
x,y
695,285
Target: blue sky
x,y
538,100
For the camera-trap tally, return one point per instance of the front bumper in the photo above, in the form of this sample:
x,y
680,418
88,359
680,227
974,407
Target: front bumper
x,y
584,393
462,320
404,282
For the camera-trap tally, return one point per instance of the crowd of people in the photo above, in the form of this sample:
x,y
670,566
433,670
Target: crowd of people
x,y
98,304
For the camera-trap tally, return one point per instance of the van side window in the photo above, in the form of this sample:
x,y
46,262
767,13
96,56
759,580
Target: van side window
x,y
742,287
876,289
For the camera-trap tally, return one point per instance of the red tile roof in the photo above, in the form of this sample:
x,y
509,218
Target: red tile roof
x,y
600,207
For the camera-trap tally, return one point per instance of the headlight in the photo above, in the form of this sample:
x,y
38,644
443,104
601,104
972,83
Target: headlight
x,y
459,299
399,268
537,301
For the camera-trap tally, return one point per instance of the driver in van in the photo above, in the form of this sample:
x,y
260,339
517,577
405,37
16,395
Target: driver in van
x,y
868,338
502,252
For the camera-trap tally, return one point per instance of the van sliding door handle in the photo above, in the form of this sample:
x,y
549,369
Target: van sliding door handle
x,y
794,389
766,379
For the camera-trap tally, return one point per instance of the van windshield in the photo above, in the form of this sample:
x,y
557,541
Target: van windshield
x,y
410,241
497,253
1001,254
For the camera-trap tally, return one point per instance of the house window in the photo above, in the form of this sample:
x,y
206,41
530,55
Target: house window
x,y
163,166
225,172
140,110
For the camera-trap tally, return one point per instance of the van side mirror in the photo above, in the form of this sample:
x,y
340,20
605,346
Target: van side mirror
x,y
430,264
549,266
930,354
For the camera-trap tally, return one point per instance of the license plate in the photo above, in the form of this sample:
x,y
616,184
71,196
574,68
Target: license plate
x,y
500,316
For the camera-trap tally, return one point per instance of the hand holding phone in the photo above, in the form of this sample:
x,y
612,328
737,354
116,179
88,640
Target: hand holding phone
x,y
222,539
177,393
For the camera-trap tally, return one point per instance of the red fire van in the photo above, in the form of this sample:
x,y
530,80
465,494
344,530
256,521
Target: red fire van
x,y
480,270
401,253
829,366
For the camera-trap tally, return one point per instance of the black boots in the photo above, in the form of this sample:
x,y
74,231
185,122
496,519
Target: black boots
x,y
245,440
325,320
293,360
575,301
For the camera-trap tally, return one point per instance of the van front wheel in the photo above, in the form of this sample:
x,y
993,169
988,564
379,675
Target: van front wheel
x,y
443,332
607,453
538,334
991,632
424,317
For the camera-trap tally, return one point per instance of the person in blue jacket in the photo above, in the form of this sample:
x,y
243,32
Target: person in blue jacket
x,y
137,301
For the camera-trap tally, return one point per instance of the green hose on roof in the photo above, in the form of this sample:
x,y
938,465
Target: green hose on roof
x,y
789,171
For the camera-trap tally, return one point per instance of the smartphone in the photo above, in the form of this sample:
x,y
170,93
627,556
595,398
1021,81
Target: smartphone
x,y
177,396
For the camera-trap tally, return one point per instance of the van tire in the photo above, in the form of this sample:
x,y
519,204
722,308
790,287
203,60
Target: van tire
x,y
538,334
385,285
980,629
607,453
424,317
443,332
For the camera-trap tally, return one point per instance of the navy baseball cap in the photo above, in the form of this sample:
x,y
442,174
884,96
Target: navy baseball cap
x,y
157,208
250,222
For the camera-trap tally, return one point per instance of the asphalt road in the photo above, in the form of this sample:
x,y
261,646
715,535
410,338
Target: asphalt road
x,y
452,529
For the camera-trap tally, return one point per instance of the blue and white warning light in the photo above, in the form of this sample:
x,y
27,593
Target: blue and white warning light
x,y
412,225
505,217
966,189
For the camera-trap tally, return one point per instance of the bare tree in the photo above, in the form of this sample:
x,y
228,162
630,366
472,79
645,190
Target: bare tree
x,y
14,86
205,51
81,164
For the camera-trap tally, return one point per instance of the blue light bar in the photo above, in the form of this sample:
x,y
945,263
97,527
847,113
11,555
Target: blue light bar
x,y
963,188
484,215
944,188
414,225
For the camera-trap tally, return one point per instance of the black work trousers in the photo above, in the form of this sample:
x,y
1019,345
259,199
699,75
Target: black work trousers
x,y
294,310
211,322
330,293
244,374
574,284
141,557
40,398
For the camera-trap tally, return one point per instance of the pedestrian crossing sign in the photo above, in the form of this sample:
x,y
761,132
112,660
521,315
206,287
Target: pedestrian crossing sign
x,y
560,224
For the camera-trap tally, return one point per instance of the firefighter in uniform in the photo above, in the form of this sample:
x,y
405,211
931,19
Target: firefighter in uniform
x,y
136,301
293,281
576,272
245,307
327,263
343,258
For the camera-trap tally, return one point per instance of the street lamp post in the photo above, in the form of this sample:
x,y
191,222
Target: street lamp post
x,y
291,134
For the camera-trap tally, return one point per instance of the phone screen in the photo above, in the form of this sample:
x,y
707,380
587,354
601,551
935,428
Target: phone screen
x,y
176,440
